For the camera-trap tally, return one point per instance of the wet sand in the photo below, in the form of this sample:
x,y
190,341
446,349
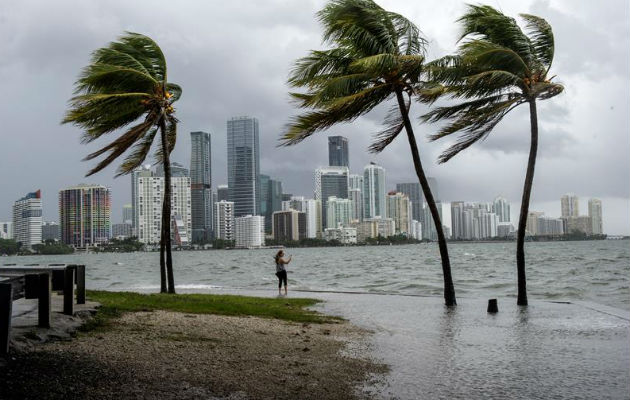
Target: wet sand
x,y
168,355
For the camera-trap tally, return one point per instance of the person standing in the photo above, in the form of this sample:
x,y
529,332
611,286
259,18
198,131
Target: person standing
x,y
281,271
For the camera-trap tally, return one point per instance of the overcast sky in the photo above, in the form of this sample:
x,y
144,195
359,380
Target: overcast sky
x,y
232,58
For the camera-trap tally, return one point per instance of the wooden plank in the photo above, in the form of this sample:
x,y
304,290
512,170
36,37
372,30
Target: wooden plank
x,y
68,291
31,285
44,300
80,284
6,305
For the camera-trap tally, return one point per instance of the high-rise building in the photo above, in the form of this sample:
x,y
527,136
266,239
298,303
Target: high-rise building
x,y
579,224
374,191
27,220
532,222
330,181
338,151
549,226
413,190
416,229
143,171
223,193
249,231
271,199
428,228
85,215
595,212
243,165
127,214
501,207
201,186
355,194
289,225
569,204
148,206
177,170
224,220
51,231
6,230
121,231
339,212
313,210
399,209
457,220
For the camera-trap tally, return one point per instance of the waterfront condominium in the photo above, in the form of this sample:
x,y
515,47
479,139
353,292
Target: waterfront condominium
x,y
149,194
200,186
330,181
501,207
270,199
374,191
289,225
569,205
414,193
224,220
399,209
85,215
355,194
595,213
27,220
339,212
6,230
243,150
249,231
338,151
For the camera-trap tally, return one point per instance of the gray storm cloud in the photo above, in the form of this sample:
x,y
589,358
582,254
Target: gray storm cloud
x,y
232,58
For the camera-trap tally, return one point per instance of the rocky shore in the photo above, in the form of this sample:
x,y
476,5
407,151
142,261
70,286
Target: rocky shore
x,y
170,355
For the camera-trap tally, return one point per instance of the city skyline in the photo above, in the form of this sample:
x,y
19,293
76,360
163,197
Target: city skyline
x,y
576,134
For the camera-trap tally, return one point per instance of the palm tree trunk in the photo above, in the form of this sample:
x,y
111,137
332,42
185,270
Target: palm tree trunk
x,y
449,288
166,209
163,288
521,299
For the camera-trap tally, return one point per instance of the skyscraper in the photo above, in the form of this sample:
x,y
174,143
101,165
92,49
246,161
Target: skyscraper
x,y
330,181
414,192
374,191
289,225
501,207
127,215
148,206
243,165
27,220
201,186
249,231
339,212
570,206
52,231
338,151
143,171
224,220
85,215
223,193
399,209
595,213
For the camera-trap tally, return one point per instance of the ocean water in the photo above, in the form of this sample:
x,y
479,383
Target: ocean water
x,y
597,271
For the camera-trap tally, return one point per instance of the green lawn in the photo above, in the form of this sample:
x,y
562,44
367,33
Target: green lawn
x,y
288,309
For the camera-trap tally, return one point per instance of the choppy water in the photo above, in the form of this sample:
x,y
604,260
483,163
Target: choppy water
x,y
597,271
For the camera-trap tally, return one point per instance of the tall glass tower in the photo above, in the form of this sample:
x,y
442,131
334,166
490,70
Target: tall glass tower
x,y
330,181
374,191
243,148
338,151
201,186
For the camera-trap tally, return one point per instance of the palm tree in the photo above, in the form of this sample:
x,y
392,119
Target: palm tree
x,y
123,82
375,55
496,68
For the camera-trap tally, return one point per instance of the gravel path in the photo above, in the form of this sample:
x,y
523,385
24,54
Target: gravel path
x,y
168,355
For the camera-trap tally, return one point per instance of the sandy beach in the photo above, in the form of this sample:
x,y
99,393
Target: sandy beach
x,y
170,355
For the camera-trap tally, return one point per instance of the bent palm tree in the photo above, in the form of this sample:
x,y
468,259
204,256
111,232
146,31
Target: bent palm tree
x,y
375,55
125,81
497,67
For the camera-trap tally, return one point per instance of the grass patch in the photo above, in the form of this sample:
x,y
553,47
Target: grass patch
x,y
115,303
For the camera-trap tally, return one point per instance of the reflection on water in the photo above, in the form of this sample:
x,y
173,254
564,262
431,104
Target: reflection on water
x,y
594,270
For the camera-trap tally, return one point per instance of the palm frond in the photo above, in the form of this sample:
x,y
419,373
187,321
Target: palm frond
x,y
344,109
120,145
318,66
541,38
486,23
474,123
394,124
139,153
